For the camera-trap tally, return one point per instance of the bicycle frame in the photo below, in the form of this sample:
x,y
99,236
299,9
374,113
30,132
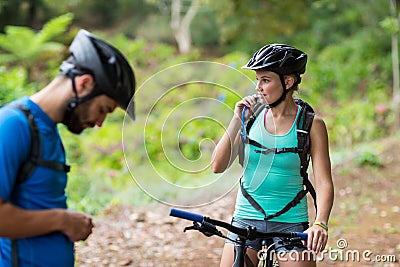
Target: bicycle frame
x,y
207,226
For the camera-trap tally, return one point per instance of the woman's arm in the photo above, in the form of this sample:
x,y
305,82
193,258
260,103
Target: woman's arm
x,y
227,148
322,169
323,183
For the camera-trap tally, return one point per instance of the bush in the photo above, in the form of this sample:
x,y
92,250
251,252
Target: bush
x,y
369,158
13,84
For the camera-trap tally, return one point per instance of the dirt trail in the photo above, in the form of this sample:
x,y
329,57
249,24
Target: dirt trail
x,y
364,220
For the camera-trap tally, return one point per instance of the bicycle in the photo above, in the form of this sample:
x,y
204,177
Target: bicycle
x,y
208,227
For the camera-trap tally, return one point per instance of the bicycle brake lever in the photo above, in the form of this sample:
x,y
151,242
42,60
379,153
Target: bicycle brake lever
x,y
189,228
195,226
205,228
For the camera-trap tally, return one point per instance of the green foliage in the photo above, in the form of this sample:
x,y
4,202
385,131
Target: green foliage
x,y
25,46
13,84
120,16
141,53
21,45
191,131
99,175
391,25
204,28
352,65
156,28
332,21
369,158
356,120
247,25
29,13
348,80
351,90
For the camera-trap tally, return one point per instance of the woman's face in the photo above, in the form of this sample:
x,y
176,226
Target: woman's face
x,y
269,86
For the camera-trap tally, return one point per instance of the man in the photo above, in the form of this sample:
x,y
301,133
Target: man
x,y
36,228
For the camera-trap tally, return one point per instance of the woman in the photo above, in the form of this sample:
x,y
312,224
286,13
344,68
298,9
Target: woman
x,y
274,179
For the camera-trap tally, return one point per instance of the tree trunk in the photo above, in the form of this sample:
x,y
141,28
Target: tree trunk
x,y
32,14
181,27
395,63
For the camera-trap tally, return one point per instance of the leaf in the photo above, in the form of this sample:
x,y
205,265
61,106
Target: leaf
x,y
7,58
23,46
391,25
54,28
15,39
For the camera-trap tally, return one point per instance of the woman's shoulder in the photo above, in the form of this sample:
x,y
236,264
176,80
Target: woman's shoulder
x,y
318,126
318,121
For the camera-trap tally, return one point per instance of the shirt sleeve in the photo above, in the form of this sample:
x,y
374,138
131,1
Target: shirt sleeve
x,y
14,147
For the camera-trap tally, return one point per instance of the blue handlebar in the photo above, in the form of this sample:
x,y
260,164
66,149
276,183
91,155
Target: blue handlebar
x,y
302,236
186,215
194,217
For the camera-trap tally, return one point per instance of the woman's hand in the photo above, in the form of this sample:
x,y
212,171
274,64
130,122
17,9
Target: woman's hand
x,y
317,238
247,101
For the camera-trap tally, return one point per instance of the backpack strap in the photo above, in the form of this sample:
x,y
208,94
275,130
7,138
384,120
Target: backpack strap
x,y
34,157
296,200
258,107
27,168
14,253
304,124
251,199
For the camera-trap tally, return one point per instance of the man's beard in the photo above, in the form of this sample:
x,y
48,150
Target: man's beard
x,y
73,124
72,119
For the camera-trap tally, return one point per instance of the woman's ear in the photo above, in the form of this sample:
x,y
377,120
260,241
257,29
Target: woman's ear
x,y
289,81
84,84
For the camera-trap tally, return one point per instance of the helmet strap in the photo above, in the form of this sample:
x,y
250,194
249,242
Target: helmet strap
x,y
283,96
74,102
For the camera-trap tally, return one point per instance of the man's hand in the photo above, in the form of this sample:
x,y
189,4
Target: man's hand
x,y
76,225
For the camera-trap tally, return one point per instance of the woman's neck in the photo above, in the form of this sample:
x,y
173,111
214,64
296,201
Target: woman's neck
x,y
286,108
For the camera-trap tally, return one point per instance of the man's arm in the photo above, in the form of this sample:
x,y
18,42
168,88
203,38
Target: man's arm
x,y
19,223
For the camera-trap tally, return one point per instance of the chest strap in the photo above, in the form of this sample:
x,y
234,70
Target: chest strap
x,y
296,200
272,150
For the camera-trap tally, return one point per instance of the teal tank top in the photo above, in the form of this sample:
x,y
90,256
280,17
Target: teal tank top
x,y
273,180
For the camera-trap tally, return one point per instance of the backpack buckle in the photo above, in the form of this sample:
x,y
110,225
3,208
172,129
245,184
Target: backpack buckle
x,y
302,131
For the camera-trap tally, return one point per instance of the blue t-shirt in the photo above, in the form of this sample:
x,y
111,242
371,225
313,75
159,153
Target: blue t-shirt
x,y
45,189
273,180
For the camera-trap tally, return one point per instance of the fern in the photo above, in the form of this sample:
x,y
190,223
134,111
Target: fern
x,y
21,45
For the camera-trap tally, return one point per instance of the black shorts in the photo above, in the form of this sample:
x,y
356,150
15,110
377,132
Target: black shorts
x,y
264,226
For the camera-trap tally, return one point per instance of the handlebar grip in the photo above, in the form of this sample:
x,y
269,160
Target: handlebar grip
x,y
302,236
186,215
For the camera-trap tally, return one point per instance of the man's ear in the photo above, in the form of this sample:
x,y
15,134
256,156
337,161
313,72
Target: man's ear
x,y
84,84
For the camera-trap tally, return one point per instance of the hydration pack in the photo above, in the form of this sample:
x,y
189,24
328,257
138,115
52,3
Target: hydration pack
x,y
303,123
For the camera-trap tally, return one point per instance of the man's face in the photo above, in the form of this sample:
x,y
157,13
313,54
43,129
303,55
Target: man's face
x,y
90,113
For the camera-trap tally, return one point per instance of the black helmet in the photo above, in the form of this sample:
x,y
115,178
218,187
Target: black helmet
x,y
112,73
279,58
